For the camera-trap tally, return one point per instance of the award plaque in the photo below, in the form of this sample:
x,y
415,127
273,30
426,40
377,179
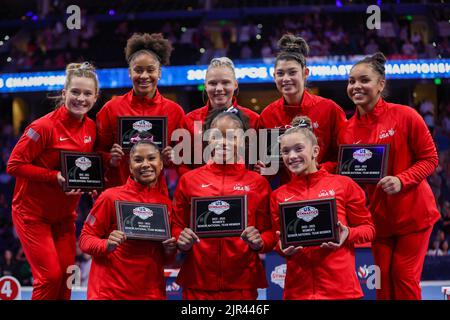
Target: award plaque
x,y
268,143
308,223
132,127
143,221
82,170
364,163
222,216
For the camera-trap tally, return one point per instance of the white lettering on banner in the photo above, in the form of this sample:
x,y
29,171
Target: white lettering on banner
x,y
36,81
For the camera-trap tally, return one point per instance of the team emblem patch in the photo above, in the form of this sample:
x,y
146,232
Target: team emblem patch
x,y
83,163
218,207
307,213
362,155
143,212
142,126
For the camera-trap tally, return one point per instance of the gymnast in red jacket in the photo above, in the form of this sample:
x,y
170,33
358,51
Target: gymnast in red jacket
x,y
402,203
227,267
326,271
121,268
290,76
220,87
43,215
145,54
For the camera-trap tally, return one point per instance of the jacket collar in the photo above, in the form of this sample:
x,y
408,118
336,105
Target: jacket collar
x,y
374,115
67,119
136,186
233,103
134,99
311,178
304,104
227,169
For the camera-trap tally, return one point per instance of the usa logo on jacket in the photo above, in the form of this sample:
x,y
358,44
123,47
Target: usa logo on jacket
x,y
386,133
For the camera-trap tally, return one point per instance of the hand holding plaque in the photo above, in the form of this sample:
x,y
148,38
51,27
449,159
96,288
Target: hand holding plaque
x,y
221,216
143,221
81,171
364,163
308,223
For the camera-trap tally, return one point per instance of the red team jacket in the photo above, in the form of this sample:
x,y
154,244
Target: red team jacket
x,y
132,105
135,270
412,158
35,162
218,264
326,116
313,272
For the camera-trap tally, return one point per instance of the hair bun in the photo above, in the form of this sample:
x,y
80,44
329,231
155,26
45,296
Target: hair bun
x,y
302,122
291,43
379,57
84,66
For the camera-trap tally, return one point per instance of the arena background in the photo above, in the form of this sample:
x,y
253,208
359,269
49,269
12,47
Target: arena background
x,y
36,43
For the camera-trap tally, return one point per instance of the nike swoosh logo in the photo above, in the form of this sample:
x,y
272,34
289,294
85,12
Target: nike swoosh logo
x,y
205,185
287,199
357,142
63,139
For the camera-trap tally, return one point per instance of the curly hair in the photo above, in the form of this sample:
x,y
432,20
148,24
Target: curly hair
x,y
154,43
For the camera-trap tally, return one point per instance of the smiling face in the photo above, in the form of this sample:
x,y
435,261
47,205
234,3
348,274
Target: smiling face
x,y
225,147
290,79
145,71
364,86
80,96
145,164
298,153
220,84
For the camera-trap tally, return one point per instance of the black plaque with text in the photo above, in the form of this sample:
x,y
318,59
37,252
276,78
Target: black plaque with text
x,y
143,221
130,128
221,216
364,163
82,170
308,223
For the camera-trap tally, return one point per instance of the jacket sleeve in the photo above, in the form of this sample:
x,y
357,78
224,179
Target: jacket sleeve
x,y
263,218
360,224
29,147
424,152
181,209
96,228
338,120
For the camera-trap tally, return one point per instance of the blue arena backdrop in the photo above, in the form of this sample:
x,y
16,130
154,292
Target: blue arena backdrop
x,y
255,72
